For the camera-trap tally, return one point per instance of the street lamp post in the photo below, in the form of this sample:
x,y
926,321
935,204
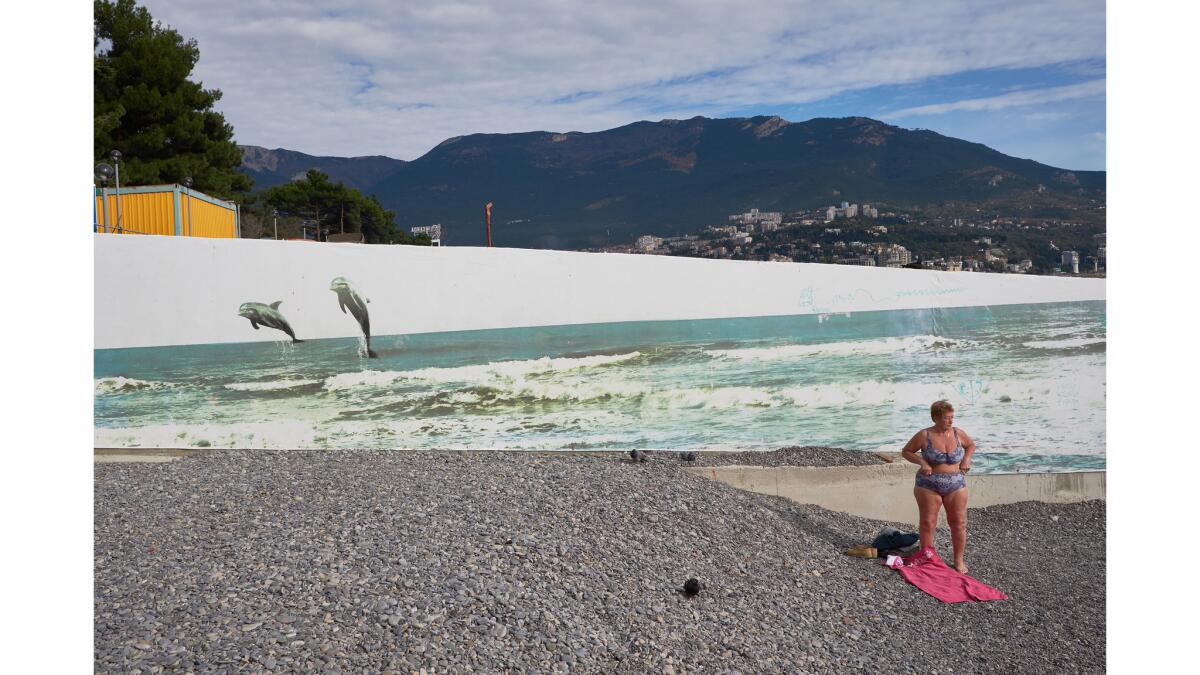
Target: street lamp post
x,y
275,220
115,156
187,183
104,202
103,172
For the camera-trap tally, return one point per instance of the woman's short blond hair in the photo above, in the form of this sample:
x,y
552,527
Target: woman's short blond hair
x,y
939,407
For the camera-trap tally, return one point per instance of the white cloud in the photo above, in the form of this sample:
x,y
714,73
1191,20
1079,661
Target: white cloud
x,y
396,78
1020,98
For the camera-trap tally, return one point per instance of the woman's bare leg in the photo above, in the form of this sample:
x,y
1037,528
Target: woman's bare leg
x,y
928,503
956,517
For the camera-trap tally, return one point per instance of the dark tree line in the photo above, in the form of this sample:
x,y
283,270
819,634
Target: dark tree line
x,y
330,207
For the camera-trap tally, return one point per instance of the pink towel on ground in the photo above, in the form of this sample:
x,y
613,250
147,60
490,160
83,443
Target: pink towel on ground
x,y
925,570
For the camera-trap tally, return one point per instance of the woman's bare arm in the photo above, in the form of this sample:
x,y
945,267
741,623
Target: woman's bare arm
x,y
910,452
968,451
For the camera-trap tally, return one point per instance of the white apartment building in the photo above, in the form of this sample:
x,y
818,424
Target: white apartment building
x,y
647,242
846,210
727,230
863,260
893,255
754,217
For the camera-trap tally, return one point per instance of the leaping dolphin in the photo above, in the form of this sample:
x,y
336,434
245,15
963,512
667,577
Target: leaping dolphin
x,y
267,315
348,297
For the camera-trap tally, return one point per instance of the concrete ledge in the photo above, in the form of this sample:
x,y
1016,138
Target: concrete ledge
x,y
885,491
126,455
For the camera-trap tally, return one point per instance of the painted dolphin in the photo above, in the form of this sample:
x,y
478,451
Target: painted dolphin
x,y
348,297
267,315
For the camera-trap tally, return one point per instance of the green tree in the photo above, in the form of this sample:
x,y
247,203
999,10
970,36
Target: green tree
x,y
335,207
145,106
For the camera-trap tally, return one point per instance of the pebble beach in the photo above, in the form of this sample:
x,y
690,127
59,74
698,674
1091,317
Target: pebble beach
x,y
361,561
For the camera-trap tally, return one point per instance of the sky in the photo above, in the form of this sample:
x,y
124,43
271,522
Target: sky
x,y
395,78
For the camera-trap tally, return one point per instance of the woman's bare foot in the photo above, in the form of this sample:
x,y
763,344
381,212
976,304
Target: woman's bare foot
x,y
961,566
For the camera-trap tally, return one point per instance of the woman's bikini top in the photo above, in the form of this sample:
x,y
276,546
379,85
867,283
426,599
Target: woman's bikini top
x,y
934,457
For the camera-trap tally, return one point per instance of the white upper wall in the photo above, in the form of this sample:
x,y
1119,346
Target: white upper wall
x,y
153,290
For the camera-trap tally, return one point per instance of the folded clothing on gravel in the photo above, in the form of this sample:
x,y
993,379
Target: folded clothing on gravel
x,y
893,541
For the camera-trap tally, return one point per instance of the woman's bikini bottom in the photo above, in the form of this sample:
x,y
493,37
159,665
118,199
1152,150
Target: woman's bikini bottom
x,y
942,483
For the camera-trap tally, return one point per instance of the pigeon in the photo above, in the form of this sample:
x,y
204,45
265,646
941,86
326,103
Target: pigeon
x,y
639,456
692,587
689,456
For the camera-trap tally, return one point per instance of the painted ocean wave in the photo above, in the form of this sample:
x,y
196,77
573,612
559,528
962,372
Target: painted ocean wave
x,y
487,372
271,385
1068,343
891,345
122,385
1073,387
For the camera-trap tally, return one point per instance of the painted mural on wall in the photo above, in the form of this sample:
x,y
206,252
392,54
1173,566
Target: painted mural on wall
x,y
267,315
1028,381
349,299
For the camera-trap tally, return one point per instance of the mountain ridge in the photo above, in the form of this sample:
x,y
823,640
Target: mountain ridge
x,y
577,189
270,167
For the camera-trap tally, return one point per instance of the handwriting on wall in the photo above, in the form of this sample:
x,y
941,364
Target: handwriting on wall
x,y
972,390
928,292
825,301
821,301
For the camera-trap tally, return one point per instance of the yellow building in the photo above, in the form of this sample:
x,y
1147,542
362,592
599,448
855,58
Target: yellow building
x,y
166,209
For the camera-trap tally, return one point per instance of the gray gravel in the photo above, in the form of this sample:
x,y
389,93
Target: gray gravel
x,y
364,561
808,455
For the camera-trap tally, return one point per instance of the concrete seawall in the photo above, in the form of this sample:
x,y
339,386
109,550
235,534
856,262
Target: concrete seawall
x,y
885,492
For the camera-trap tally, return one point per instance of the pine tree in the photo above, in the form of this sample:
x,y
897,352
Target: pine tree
x,y
146,107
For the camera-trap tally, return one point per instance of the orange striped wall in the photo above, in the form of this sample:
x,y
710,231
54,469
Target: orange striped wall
x,y
202,219
148,213
154,210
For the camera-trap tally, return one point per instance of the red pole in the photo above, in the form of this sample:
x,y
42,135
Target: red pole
x,y
487,216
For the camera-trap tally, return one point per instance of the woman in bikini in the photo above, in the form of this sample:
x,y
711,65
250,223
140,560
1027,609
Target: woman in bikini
x,y
945,459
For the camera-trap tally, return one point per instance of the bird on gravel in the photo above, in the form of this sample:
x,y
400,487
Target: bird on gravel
x,y
689,456
692,587
639,456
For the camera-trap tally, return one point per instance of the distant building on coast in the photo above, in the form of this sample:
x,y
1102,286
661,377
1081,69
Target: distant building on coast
x,y
1070,261
647,243
765,221
848,210
893,255
727,230
864,260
